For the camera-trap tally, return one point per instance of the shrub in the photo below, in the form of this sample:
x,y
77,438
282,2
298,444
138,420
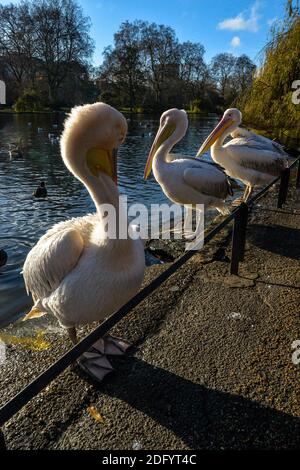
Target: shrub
x,y
30,100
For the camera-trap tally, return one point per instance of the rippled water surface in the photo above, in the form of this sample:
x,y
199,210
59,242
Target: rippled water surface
x,y
23,219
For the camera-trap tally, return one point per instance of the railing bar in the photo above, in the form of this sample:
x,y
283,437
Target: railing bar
x,y
266,188
294,162
298,176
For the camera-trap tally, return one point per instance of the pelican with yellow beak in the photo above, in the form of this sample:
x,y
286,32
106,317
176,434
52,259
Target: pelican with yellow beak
x,y
250,158
185,180
76,271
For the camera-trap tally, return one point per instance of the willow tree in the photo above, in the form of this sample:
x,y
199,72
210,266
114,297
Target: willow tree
x,y
268,103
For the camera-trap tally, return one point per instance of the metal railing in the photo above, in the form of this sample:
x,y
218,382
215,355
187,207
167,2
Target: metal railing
x,y
240,218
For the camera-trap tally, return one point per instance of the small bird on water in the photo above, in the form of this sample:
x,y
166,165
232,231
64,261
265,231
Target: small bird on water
x,y
3,258
41,191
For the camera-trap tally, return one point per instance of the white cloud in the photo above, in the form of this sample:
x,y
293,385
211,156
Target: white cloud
x,y
242,21
235,42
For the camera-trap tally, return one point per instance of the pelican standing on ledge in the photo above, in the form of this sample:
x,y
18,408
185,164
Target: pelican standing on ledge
x,y
75,271
253,159
185,180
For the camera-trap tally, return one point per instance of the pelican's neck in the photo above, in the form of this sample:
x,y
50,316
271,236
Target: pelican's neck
x,y
220,140
160,158
103,191
217,150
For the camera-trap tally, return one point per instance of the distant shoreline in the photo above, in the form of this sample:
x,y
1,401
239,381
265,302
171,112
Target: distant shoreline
x,y
122,110
288,137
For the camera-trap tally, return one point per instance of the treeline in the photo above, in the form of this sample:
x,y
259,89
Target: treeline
x,y
268,104
45,53
45,60
148,68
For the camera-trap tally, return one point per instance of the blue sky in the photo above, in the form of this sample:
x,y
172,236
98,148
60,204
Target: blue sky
x,y
238,26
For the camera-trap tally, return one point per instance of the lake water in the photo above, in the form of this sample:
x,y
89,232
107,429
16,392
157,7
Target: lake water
x,y
23,219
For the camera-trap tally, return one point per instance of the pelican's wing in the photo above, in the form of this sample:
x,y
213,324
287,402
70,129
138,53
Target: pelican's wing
x,y
245,137
207,178
252,154
50,260
197,160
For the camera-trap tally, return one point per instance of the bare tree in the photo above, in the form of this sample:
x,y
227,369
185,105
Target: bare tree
x,y
123,66
222,70
62,39
193,70
244,70
17,42
161,52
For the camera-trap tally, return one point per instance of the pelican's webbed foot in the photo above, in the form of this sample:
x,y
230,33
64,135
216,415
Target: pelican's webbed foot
x,y
95,363
237,202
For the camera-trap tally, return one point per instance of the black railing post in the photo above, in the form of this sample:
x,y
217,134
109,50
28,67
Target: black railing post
x,y
298,175
239,238
283,188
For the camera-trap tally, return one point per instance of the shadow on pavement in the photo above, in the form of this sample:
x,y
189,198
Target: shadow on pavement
x,y
203,418
276,239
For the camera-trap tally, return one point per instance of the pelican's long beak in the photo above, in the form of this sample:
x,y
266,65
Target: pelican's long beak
x,y
162,135
215,134
103,161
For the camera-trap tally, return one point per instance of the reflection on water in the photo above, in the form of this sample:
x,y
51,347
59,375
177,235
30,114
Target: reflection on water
x,y
24,219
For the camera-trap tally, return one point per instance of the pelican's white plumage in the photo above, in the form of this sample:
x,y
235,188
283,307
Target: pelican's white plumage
x,y
248,157
75,271
185,180
259,141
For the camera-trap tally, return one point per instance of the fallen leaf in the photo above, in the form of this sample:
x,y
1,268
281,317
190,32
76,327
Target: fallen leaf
x,y
95,414
235,315
36,343
174,288
137,445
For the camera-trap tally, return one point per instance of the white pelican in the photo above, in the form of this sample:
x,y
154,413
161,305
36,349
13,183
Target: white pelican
x,y
75,271
253,159
185,180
